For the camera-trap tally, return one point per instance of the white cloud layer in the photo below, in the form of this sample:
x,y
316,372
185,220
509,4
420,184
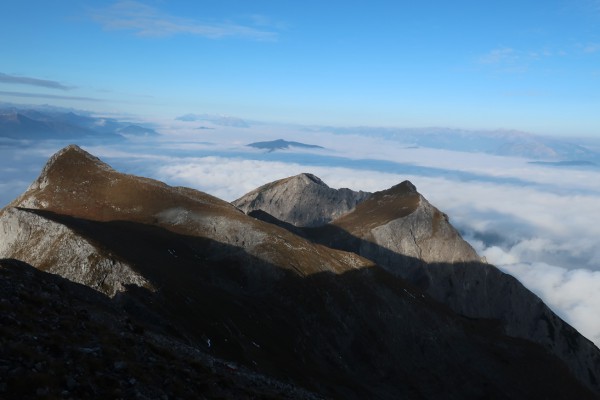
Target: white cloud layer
x,y
573,294
544,234
538,223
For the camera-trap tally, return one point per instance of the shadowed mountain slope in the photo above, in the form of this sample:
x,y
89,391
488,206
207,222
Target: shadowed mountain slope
x,y
360,334
399,230
59,339
195,270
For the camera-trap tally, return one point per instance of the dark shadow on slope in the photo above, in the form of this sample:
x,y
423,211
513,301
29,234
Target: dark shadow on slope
x,y
475,290
362,334
266,217
62,339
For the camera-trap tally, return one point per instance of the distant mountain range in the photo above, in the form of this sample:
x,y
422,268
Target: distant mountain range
x,y
296,290
502,143
32,124
281,144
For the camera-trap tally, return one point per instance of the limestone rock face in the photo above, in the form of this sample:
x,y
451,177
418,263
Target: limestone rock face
x,y
57,249
301,200
401,221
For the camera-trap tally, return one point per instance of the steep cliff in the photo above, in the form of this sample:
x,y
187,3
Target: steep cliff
x,y
55,248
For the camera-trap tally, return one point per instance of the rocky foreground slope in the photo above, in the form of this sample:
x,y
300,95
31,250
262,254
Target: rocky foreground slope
x,y
59,339
208,280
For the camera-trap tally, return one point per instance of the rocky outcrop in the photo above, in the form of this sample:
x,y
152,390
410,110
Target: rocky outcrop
x,y
401,221
57,249
302,200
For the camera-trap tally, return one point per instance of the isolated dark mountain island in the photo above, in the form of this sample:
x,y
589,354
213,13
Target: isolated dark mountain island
x,y
170,291
281,144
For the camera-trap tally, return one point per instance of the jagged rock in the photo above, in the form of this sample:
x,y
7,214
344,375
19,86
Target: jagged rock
x,y
402,221
55,248
301,200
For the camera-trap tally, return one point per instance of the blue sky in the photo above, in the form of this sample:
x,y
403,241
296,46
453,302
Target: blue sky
x,y
528,66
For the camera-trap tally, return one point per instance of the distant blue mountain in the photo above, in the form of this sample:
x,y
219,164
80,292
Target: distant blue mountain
x,y
281,144
33,124
503,143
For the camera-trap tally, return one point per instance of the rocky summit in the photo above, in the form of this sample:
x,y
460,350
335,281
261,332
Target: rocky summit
x,y
121,286
302,200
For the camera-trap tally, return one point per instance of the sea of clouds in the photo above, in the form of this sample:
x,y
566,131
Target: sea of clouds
x,y
538,223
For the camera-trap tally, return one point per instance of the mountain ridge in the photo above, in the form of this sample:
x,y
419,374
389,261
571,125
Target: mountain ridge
x,y
400,231
18,123
234,287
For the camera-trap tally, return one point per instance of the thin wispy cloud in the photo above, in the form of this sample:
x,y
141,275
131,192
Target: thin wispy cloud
x,y
25,80
511,60
499,56
48,96
145,20
591,48
506,60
